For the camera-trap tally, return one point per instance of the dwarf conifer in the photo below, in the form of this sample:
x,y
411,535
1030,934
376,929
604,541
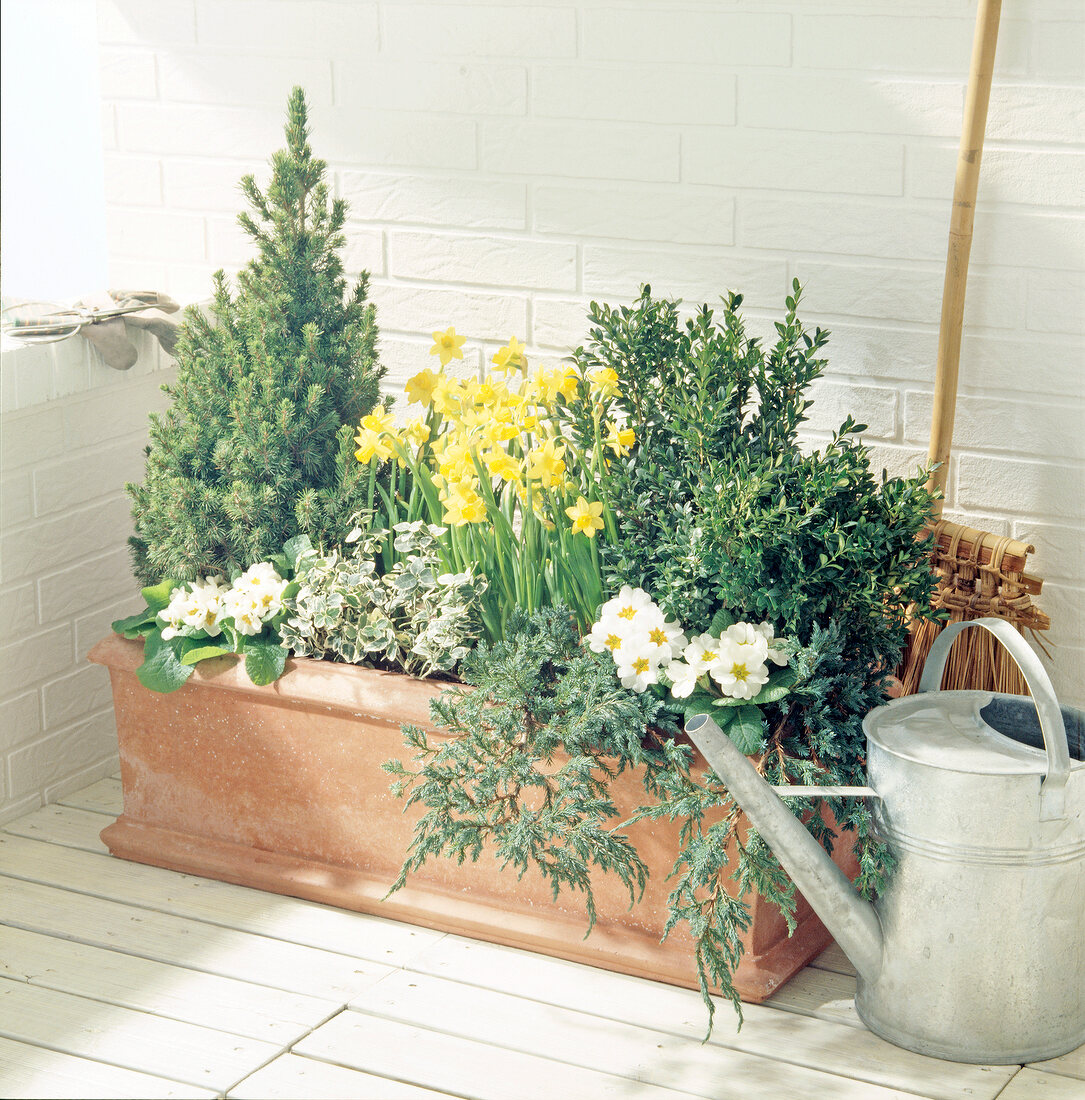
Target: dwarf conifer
x,y
257,444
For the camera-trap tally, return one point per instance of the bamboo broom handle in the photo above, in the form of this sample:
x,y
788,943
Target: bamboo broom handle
x,y
960,241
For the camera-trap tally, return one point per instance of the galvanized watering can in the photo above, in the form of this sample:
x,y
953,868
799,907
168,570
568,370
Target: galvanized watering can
x,y
976,950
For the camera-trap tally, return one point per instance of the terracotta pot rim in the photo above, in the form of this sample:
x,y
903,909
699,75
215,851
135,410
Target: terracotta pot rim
x,y
334,686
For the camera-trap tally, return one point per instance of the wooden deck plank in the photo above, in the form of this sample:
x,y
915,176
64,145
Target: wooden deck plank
x,y
188,1053
103,797
809,1042
228,1005
291,1077
62,825
832,958
1032,1084
464,1020
474,1070
596,1042
821,993
1069,1065
239,907
39,1074
182,942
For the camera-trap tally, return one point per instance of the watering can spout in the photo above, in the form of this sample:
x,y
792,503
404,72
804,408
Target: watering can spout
x,y
851,920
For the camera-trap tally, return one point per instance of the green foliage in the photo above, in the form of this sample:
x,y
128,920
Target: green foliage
x,y
494,784
257,444
414,617
526,777
719,507
186,622
721,516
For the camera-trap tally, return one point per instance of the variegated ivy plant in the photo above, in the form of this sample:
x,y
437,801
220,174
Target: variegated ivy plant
x,y
337,606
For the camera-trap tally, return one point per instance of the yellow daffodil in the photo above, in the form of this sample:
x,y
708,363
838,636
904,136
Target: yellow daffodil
x,y
603,382
379,420
447,345
547,384
417,431
376,436
511,357
476,420
547,464
419,389
586,517
501,464
619,440
446,396
463,508
500,431
565,381
455,458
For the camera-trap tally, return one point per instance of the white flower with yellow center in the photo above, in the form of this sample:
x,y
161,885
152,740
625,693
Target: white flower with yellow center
x,y
636,667
741,671
246,610
194,607
264,585
665,638
683,679
703,652
628,605
606,636
777,654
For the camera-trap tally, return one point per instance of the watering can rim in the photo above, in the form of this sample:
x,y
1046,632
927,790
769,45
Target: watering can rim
x,y
1028,759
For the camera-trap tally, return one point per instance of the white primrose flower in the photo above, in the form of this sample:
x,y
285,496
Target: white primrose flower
x,y
741,671
629,606
636,667
749,643
665,638
703,652
263,584
246,610
194,607
777,654
606,636
683,679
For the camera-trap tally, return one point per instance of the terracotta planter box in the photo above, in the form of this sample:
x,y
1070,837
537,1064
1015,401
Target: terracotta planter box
x,y
280,788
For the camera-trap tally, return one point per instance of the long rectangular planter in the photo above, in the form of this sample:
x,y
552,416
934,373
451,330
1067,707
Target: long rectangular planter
x,y
280,788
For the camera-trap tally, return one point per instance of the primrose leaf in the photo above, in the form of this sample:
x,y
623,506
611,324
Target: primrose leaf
x,y
701,702
779,685
162,670
158,595
720,622
193,654
135,626
746,729
265,660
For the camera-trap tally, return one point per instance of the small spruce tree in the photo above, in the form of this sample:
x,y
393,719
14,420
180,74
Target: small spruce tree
x,y
257,444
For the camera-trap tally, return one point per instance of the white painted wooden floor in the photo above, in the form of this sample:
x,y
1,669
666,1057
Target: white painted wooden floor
x,y
118,980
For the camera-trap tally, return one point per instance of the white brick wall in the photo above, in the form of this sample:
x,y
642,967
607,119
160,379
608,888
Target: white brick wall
x,y
508,161
72,432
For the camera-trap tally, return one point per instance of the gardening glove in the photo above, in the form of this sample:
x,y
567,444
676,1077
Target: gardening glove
x,y
156,319
108,337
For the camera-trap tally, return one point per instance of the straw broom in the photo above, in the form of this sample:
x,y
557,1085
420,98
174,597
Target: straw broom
x,y
978,574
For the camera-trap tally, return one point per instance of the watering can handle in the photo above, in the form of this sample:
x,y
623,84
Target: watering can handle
x,y
1053,790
